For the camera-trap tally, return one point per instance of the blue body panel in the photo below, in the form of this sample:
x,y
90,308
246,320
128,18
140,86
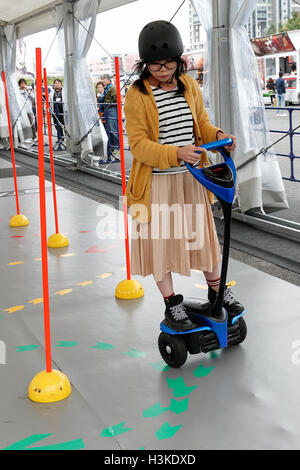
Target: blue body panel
x,y
172,332
219,328
226,194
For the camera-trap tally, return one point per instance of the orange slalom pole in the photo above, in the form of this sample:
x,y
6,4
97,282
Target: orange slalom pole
x,y
121,141
39,108
51,149
11,143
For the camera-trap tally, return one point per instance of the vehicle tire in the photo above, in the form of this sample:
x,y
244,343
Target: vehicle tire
x,y
173,349
243,330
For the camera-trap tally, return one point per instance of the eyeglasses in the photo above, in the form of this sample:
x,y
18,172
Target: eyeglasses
x,y
156,67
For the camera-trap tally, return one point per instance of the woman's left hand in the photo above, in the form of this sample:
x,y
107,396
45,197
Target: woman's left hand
x,y
221,136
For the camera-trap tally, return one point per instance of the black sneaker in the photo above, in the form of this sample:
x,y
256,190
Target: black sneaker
x,y
176,316
233,306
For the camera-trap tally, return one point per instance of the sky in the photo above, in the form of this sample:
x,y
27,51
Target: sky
x,y
117,30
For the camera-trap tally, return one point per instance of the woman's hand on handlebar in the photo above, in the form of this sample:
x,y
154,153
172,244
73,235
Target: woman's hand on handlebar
x,y
188,154
221,136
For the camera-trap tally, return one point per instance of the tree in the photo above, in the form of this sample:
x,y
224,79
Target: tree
x,y
272,29
291,24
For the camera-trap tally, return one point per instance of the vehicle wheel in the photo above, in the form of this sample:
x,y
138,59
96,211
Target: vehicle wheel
x,y
243,330
173,349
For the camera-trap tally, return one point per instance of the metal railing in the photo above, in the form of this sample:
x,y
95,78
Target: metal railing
x,y
290,134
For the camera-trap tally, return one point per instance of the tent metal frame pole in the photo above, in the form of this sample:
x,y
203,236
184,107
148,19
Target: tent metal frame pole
x,y
221,64
70,51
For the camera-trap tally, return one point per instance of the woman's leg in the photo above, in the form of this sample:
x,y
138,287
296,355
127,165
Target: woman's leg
x,y
166,286
232,305
213,278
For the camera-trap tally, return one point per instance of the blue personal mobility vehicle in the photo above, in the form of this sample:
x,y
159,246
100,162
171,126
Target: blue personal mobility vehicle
x,y
217,329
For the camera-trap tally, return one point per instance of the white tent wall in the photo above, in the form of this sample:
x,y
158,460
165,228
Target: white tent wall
x,y
19,118
81,106
237,103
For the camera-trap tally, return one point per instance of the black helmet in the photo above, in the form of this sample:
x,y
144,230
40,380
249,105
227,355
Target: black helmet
x,y
159,40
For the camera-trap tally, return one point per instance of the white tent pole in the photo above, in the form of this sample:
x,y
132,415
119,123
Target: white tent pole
x,y
221,65
70,51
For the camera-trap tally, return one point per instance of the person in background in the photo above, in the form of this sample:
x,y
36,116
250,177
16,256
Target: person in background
x,y
281,91
100,99
28,101
111,117
57,101
272,88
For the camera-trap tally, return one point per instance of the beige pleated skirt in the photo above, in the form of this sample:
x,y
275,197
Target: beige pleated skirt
x,y
181,235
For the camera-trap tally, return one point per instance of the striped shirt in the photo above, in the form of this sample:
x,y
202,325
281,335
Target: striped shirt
x,y
175,123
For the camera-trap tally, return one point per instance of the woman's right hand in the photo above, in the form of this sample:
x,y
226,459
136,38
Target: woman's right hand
x,y
188,153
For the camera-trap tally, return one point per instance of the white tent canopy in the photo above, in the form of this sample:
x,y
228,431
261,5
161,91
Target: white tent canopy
x,y
33,16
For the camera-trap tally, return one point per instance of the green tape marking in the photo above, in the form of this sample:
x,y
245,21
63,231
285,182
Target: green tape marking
x,y
215,354
29,347
180,389
160,366
135,353
154,410
202,371
179,406
166,431
66,344
115,430
76,444
103,346
27,442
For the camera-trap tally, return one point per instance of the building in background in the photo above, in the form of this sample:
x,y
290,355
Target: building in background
x,y
197,35
296,6
268,13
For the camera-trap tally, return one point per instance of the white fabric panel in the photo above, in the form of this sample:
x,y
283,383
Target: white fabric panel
x,y
18,114
256,175
83,96
249,119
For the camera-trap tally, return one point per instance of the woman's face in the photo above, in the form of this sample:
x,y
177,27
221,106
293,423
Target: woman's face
x,y
166,71
100,88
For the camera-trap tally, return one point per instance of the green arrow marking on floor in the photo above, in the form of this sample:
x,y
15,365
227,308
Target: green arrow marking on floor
x,y
202,371
179,406
215,354
76,444
29,347
135,353
66,344
166,431
154,410
160,366
25,443
180,389
103,346
115,430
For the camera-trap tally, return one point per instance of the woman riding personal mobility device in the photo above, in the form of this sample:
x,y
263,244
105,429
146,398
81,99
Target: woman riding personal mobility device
x,y
217,329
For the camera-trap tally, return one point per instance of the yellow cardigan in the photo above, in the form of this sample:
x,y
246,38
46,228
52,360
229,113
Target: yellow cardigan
x,y
142,125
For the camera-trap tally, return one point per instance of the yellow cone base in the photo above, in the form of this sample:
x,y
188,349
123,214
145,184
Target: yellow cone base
x,y
48,387
57,240
129,289
18,220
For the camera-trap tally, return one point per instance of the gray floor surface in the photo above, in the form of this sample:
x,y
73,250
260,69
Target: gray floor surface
x,y
123,396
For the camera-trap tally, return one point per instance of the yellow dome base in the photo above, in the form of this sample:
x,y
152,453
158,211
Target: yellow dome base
x,y
48,387
57,240
18,220
129,289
